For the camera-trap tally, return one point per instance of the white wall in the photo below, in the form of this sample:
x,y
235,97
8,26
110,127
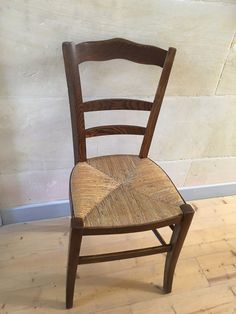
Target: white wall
x,y
195,140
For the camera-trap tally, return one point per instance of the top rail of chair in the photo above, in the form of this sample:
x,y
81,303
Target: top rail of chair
x,y
119,48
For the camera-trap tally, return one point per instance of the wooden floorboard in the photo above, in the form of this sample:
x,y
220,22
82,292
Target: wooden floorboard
x,y
33,264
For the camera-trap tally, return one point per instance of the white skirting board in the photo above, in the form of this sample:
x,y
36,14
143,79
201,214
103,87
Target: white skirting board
x,y
61,208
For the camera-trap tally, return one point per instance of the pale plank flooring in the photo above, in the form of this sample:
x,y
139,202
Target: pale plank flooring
x,y
33,264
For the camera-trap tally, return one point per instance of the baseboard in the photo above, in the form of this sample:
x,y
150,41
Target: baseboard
x,y
61,208
35,212
208,191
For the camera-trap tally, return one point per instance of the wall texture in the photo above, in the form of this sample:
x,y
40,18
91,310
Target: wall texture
x,y
195,140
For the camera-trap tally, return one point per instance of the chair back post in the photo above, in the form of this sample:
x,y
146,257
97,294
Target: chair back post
x,y
151,124
116,48
76,101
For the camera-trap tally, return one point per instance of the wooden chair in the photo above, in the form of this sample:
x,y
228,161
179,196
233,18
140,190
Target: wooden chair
x,y
120,193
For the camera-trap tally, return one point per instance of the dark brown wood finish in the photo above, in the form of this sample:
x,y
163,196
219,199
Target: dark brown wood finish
x,y
107,50
117,104
74,249
114,129
99,258
179,223
75,98
159,237
119,48
157,103
127,229
172,227
178,236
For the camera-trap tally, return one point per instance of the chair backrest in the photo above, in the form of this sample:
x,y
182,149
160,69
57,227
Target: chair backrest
x,y
116,48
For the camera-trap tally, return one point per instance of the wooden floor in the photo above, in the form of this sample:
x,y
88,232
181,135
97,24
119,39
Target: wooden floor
x,y
33,265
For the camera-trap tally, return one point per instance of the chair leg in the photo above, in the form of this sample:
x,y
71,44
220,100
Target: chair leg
x,y
74,249
177,240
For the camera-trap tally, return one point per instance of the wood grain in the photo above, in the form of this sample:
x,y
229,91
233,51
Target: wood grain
x,y
75,98
98,258
107,50
120,193
157,103
119,48
33,258
114,129
116,104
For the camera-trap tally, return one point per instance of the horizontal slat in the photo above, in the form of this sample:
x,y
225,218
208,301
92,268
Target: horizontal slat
x,y
116,104
88,259
118,48
114,129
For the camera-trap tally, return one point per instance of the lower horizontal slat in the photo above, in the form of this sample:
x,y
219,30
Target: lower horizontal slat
x,y
117,104
114,129
88,259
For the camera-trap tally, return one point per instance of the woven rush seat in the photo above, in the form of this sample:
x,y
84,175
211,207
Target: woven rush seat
x,y
122,190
